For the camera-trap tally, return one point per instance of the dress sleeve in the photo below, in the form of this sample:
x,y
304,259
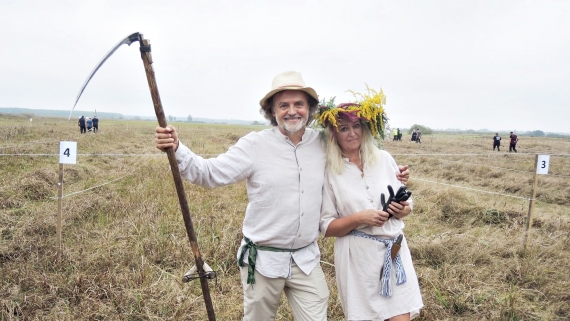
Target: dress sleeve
x,y
328,207
233,166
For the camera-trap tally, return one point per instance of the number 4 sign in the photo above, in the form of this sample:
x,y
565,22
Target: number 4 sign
x,y
67,152
542,164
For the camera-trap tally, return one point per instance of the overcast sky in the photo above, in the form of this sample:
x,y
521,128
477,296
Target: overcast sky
x,y
500,65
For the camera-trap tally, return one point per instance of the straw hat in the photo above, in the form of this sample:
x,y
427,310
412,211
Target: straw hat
x,y
289,80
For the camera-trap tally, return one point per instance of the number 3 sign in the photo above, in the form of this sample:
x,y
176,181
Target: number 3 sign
x,y
542,164
67,152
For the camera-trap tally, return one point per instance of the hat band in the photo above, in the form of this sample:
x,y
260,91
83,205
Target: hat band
x,y
290,85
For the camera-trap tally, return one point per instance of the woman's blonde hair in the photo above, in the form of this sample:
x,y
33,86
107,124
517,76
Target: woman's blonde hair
x,y
369,153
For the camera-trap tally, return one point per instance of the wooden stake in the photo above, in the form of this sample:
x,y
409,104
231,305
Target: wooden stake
x,y
147,61
531,204
59,196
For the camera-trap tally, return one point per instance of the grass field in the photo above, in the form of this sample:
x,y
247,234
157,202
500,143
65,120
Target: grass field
x,y
125,248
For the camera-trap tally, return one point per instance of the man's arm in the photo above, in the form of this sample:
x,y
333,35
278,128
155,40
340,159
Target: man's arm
x,y
233,166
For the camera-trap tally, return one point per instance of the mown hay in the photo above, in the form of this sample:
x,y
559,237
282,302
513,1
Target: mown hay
x,y
125,248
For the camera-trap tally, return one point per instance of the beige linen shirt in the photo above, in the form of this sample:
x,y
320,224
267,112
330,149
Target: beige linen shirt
x,y
284,187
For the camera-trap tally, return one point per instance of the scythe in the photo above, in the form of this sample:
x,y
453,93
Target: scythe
x,y
147,61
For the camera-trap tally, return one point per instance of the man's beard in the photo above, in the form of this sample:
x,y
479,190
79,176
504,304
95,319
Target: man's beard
x,y
293,128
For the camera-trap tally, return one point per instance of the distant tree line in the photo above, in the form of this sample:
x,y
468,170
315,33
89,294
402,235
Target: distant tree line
x,y
173,118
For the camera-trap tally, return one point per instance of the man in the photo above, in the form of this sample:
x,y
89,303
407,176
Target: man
x,y
284,169
95,124
81,124
497,142
414,135
399,134
418,136
89,124
513,144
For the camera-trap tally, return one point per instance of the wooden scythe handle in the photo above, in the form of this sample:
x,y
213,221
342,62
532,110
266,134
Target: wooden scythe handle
x,y
147,60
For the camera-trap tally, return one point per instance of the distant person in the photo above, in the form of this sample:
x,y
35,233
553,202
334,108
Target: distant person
x,y
395,135
89,124
399,134
513,144
81,124
414,135
418,136
497,142
95,124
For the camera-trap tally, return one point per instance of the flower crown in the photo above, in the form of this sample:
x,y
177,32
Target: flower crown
x,y
368,106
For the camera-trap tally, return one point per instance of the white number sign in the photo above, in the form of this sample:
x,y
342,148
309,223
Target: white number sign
x,y
542,165
67,152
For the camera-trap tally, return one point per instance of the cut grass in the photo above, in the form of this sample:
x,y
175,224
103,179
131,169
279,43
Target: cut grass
x,y
125,248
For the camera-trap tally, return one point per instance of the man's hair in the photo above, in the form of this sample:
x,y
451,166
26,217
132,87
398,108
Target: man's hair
x,y
369,153
267,109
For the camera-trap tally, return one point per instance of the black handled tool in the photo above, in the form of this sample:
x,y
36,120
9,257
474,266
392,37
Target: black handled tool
x,y
401,195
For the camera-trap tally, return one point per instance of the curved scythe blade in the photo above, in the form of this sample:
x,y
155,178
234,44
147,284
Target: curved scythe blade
x,y
127,41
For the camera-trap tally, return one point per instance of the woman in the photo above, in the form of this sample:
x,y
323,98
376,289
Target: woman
x,y
370,285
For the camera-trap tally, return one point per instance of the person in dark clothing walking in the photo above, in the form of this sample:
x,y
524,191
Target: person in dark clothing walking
x,y
95,124
513,144
497,142
414,135
418,136
81,124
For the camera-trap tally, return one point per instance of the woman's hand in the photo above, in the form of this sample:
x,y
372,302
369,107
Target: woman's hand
x,y
399,210
166,138
372,217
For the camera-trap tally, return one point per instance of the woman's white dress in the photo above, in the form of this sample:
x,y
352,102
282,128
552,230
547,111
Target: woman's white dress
x,y
359,261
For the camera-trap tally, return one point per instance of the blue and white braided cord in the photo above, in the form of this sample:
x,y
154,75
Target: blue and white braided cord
x,y
386,289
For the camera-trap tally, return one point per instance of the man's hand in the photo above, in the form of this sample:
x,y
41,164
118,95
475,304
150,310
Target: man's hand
x,y
166,138
404,174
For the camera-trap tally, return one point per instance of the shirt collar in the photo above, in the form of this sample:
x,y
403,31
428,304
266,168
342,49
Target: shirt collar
x,y
278,133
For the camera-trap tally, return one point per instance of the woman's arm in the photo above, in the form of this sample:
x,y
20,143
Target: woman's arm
x,y
343,225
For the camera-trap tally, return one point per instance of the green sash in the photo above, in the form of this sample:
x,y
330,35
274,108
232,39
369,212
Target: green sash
x,y
249,245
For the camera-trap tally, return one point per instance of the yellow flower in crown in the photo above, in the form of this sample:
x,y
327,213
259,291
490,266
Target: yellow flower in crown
x,y
368,106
